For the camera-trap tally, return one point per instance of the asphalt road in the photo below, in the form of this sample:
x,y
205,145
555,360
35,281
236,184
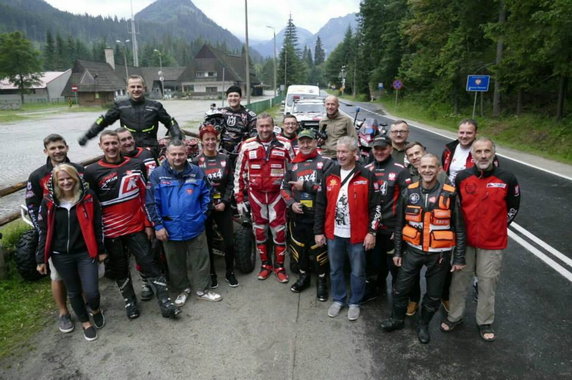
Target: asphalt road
x,y
261,330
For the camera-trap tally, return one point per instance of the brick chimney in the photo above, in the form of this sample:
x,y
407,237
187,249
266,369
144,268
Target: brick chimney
x,y
109,57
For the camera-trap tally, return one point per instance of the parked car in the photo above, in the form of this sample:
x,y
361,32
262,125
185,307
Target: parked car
x,y
309,112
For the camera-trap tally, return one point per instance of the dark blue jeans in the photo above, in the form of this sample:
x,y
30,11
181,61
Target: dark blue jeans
x,y
338,250
79,272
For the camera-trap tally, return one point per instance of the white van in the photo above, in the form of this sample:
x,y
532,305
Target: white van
x,y
298,92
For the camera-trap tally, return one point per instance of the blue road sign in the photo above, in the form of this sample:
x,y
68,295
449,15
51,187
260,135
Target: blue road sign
x,y
478,83
397,84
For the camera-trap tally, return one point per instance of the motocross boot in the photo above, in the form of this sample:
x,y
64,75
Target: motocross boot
x,y
146,291
279,270
168,308
322,289
126,288
302,283
423,325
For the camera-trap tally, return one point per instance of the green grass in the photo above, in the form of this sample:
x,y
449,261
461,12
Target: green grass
x,y
25,307
9,116
531,133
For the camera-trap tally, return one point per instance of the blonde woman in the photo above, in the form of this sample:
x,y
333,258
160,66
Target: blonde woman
x,y
71,234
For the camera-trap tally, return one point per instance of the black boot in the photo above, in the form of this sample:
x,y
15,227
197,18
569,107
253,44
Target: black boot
x,y
392,324
302,283
146,291
168,308
371,291
126,289
423,326
322,289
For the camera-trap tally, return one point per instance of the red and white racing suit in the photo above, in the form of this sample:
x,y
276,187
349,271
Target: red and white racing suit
x,y
260,168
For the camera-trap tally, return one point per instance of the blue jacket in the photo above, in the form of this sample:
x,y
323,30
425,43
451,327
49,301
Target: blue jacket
x,y
178,201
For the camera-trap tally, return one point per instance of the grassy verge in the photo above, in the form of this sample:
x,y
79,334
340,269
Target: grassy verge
x,y
34,111
531,133
25,307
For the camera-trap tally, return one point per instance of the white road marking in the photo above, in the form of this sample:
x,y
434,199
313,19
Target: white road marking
x,y
553,264
543,244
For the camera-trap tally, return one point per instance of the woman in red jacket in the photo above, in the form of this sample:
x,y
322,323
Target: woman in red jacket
x,y
71,234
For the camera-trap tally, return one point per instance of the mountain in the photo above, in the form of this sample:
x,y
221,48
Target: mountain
x,y
186,20
265,47
331,34
160,21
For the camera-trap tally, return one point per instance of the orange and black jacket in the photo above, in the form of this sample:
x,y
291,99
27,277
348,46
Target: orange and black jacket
x,y
76,230
430,221
363,201
490,200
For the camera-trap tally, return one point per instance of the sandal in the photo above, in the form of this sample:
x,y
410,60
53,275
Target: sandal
x,y
487,329
450,325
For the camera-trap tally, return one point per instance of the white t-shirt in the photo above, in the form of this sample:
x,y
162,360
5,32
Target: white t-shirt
x,y
459,161
342,225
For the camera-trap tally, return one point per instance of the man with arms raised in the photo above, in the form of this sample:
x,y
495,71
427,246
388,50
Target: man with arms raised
x,y
139,115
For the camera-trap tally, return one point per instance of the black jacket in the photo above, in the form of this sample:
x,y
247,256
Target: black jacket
x,y
141,118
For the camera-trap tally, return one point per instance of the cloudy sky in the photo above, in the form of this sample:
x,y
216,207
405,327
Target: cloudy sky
x,y
229,14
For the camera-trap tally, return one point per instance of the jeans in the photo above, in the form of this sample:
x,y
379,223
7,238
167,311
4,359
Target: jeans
x,y
80,275
338,250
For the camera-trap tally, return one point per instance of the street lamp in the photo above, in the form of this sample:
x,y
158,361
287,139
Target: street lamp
x,y
124,43
246,51
161,77
274,51
343,76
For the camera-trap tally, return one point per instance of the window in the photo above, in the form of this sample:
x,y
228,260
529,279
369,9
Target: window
x,y
205,74
212,90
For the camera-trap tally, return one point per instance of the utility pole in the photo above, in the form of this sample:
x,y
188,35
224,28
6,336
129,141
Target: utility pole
x,y
274,61
124,43
134,39
246,52
161,76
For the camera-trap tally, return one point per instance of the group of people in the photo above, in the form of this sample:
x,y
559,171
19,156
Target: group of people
x,y
403,210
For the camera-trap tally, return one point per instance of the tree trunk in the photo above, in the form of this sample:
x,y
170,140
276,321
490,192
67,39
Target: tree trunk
x,y
561,97
519,102
498,60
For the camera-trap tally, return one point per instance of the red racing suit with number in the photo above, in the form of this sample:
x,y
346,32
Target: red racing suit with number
x,y
120,188
146,157
260,169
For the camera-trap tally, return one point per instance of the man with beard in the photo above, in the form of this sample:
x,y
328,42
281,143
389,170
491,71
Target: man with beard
x,y
490,199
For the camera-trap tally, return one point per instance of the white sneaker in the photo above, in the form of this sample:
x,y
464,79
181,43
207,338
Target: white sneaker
x,y
334,309
209,296
182,298
353,312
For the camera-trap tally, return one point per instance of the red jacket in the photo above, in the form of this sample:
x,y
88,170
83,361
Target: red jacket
x,y
261,169
489,202
88,214
364,204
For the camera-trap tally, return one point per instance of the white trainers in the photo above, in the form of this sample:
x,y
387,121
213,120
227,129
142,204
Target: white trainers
x,y
209,296
182,298
334,309
353,312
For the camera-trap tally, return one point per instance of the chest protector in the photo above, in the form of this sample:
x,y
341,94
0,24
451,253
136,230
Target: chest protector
x,y
428,226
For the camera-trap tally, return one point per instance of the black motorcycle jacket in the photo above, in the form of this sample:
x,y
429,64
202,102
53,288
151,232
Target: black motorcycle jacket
x,y
238,126
309,169
141,118
392,178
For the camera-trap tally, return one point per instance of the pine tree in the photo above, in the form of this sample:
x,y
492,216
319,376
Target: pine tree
x,y
49,52
319,53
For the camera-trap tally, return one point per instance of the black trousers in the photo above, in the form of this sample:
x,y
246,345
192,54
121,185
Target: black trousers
x,y
80,275
302,247
223,220
437,268
379,261
139,246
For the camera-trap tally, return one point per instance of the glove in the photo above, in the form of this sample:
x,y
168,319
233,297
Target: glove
x,y
82,141
242,208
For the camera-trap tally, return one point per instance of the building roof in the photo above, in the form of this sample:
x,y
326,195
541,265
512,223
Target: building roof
x,y
45,79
